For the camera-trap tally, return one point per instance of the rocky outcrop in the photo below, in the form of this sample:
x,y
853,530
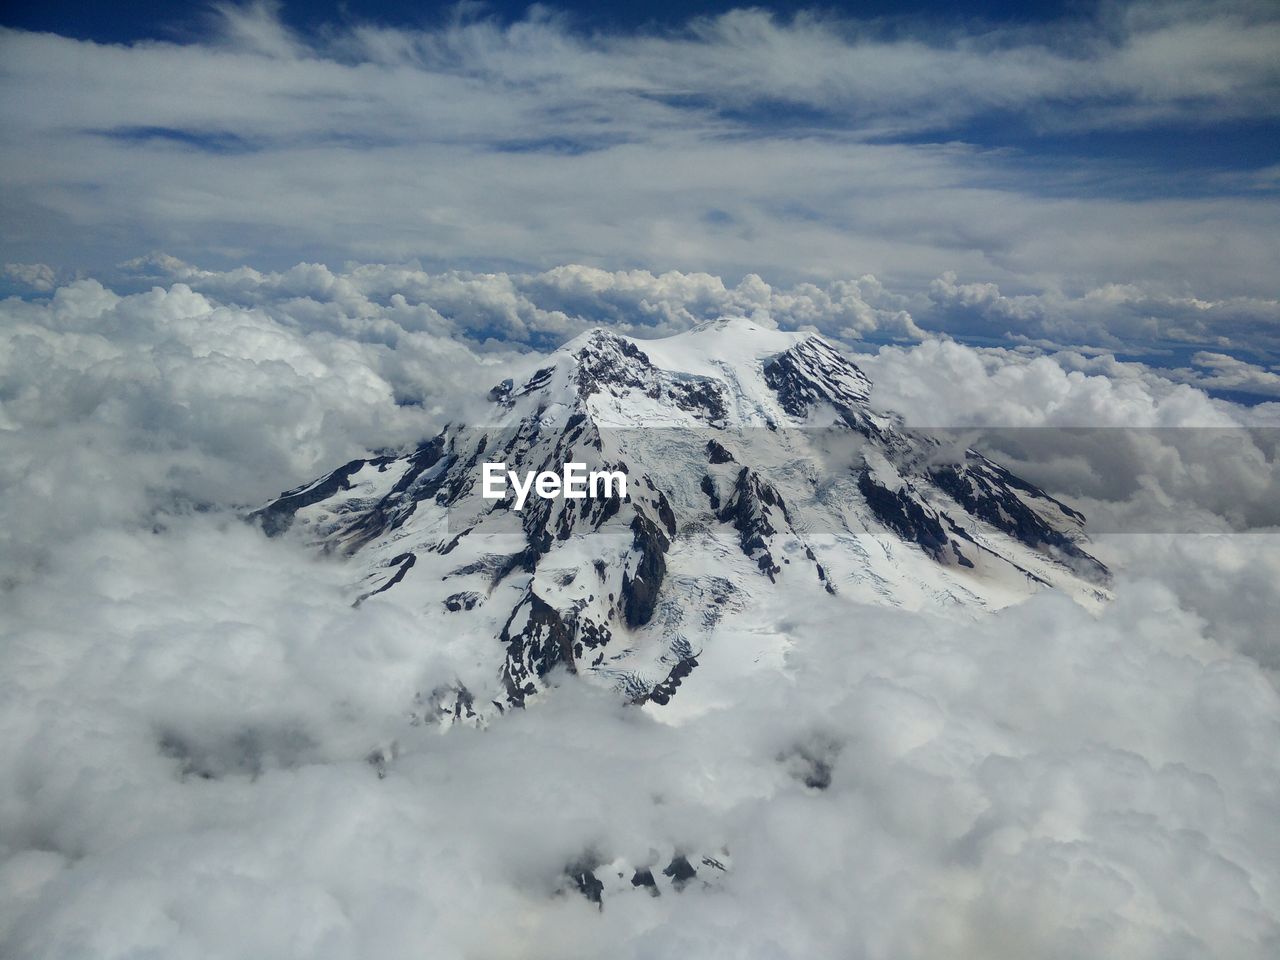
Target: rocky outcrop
x,y
537,640
905,516
640,585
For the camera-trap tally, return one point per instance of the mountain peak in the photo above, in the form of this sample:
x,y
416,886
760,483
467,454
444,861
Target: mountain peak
x,y
730,338
715,373
754,463
593,338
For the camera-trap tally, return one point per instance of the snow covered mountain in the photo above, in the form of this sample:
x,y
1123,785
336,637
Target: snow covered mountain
x,y
759,481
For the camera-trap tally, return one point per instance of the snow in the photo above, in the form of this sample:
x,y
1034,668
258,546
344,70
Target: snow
x,y
828,546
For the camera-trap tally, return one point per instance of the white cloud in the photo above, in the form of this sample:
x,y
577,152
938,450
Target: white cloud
x,y
522,147
1043,782
1217,371
37,276
189,708
1116,315
112,406
1133,449
946,384
549,306
228,386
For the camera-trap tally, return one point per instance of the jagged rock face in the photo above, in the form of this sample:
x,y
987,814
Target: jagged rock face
x,y
756,468
600,882
751,508
813,372
906,516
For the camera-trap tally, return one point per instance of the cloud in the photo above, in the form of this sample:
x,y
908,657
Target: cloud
x,y
550,306
223,388
36,276
195,718
1135,450
113,407
202,751
226,387
1221,372
1224,580
191,710
741,144
947,384
1116,315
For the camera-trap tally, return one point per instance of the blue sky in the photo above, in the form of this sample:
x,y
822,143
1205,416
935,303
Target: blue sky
x,y
131,20
1161,151
1100,175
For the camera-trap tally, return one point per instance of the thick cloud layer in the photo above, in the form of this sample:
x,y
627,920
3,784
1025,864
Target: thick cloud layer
x,y
114,406
194,718
188,717
547,307
1136,451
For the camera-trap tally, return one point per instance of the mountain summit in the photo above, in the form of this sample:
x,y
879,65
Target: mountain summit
x,y
759,476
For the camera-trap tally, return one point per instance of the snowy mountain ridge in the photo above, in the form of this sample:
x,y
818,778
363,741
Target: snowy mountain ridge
x,y
760,479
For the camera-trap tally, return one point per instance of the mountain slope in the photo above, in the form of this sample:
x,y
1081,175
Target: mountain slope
x,y
757,474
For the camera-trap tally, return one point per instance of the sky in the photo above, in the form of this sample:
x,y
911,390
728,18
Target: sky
x,y
129,21
243,244
1096,175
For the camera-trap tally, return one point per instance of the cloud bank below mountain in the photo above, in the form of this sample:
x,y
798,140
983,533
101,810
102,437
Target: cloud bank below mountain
x,y
190,707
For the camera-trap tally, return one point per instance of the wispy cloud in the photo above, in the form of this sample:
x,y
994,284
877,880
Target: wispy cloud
x,y
803,148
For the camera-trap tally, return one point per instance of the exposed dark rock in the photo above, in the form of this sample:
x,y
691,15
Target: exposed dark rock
x,y
246,751
709,488
984,490
644,878
703,395
666,514
380,759
466,600
543,642
453,543
539,380
498,566
662,692
405,562
904,515
568,623
812,372
812,762
591,635
604,509
588,884
450,701
640,591
427,471
277,516
716,453
748,509
607,360
681,871
820,778
502,392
